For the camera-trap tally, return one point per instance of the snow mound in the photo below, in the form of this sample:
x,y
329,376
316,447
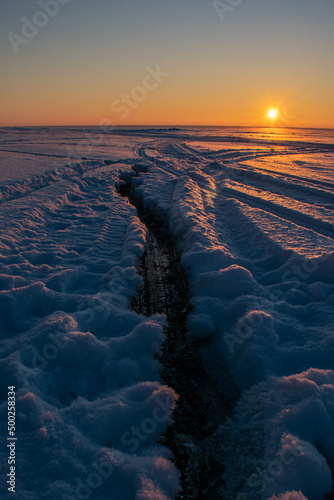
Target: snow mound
x,y
90,404
260,269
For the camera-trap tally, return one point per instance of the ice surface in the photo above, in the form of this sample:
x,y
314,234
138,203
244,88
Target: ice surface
x,y
252,215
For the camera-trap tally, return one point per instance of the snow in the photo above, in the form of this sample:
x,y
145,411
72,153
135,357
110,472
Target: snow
x,y
294,417
258,247
82,362
251,212
291,495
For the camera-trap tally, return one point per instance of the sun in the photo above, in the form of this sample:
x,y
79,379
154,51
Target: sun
x,y
272,113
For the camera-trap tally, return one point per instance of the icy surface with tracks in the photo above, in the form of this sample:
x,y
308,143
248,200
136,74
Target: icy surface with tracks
x,y
251,212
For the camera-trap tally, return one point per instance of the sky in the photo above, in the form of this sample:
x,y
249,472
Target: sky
x,y
167,62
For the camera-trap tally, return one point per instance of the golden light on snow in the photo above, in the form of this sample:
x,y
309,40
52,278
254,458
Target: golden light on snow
x,y
272,113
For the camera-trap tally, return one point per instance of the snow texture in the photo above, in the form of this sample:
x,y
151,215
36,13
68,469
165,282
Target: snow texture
x,y
252,216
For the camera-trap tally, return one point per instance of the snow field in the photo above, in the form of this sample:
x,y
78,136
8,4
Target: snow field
x,y
252,218
264,299
90,406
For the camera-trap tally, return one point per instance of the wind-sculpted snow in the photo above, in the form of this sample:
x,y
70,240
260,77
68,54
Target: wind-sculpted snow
x,y
259,251
252,216
90,406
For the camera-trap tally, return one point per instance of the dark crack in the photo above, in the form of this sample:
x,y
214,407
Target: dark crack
x,y
200,410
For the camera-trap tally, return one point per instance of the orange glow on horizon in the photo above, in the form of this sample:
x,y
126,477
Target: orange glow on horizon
x,y
168,105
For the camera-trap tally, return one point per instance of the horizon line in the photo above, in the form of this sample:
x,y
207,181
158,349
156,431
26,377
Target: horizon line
x,y
165,126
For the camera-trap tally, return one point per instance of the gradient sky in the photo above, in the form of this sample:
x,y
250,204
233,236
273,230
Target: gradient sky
x,y
79,67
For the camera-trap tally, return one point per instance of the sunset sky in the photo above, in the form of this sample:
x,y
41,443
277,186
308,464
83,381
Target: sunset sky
x,y
93,60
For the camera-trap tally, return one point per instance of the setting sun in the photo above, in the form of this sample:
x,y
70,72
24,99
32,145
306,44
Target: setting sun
x,y
272,113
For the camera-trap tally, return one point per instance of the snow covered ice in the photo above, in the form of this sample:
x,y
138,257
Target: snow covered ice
x,y
251,211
